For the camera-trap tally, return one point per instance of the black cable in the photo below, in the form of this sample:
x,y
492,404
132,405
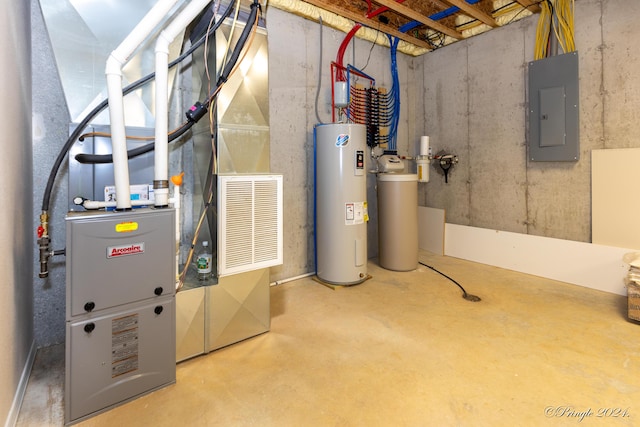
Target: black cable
x,y
521,10
108,158
96,159
255,6
465,295
506,5
550,35
133,86
372,46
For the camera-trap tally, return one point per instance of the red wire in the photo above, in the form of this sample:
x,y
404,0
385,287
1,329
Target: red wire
x,y
343,47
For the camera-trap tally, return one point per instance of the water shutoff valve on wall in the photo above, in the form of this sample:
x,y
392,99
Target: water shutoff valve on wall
x,y
446,162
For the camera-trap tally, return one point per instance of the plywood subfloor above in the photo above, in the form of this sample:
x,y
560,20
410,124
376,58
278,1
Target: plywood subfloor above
x,y
425,24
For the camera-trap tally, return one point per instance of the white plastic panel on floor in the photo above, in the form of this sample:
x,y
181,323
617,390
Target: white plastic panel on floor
x,y
584,264
431,229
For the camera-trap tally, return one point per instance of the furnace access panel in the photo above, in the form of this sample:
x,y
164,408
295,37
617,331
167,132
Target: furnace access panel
x,y
120,343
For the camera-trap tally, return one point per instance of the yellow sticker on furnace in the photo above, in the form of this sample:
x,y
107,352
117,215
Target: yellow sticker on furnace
x,y
125,227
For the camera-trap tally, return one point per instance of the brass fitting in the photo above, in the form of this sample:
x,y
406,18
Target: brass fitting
x,y
45,253
43,244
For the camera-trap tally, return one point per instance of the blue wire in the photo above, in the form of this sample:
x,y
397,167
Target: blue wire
x,y
436,17
448,12
395,85
409,26
395,91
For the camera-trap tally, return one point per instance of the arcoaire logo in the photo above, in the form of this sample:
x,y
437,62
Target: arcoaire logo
x,y
132,249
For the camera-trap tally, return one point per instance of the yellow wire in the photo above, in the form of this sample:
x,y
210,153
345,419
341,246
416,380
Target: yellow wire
x,y
542,31
556,16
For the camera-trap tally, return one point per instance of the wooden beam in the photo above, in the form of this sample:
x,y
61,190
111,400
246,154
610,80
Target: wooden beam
x,y
530,5
412,14
474,12
442,5
376,25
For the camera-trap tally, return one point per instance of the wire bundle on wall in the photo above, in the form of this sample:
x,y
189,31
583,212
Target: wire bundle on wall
x,y
357,111
383,116
372,107
556,20
367,104
372,111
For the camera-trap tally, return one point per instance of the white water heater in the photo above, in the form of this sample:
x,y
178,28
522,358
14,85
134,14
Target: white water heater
x,y
341,203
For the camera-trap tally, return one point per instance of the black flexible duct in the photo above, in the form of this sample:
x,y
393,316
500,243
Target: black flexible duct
x,y
133,86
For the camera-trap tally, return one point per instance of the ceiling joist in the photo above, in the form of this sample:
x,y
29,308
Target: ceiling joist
x,y
531,5
412,14
474,12
422,24
376,25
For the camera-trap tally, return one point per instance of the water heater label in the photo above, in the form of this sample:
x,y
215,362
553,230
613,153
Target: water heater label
x,y
118,251
342,140
354,213
349,212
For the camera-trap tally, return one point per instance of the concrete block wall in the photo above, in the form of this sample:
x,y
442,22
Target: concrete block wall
x,y
475,106
469,97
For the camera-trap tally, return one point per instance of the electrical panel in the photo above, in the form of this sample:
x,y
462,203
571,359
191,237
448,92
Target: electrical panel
x,y
554,109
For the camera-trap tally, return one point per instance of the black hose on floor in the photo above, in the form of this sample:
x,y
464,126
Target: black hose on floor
x,y
465,295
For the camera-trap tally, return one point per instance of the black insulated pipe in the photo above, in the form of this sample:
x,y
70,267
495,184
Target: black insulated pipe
x,y
255,7
135,152
133,86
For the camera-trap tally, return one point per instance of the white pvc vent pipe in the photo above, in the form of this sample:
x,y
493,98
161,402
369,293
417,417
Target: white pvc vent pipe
x,y
113,71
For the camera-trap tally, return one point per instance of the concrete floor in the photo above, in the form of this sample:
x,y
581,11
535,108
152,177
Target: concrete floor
x,y
402,349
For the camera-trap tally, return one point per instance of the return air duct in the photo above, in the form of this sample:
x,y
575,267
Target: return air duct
x,y
250,235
